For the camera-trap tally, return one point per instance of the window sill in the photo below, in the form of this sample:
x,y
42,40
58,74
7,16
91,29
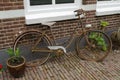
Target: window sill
x,y
111,7
49,17
101,12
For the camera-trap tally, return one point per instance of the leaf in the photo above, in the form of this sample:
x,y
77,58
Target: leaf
x,y
17,52
92,35
104,23
10,52
100,43
101,39
104,48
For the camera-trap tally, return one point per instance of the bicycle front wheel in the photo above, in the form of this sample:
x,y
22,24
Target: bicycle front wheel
x,y
27,41
93,46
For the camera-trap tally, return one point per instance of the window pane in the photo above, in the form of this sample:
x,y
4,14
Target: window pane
x,y
64,1
40,2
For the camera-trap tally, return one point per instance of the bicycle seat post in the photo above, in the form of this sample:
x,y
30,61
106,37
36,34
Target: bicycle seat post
x,y
49,26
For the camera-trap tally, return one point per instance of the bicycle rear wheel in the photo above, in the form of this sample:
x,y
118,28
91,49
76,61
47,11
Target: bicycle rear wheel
x,y
25,43
93,46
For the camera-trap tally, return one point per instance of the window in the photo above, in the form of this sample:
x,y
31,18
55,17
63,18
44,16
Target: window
x,y
45,2
38,11
40,2
64,1
107,7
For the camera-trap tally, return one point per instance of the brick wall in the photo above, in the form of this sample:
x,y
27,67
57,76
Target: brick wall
x,y
89,2
12,26
11,4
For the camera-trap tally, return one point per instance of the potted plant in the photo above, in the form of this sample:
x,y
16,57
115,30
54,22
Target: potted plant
x,y
16,63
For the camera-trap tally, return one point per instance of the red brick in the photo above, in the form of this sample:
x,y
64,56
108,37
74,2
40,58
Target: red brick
x,y
89,2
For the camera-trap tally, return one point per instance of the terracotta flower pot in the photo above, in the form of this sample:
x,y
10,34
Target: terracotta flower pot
x,y
17,70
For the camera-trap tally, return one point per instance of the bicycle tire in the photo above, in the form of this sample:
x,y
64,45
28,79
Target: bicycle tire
x,y
85,49
25,42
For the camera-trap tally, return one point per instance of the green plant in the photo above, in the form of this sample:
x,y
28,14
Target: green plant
x,y
98,40
103,24
11,52
15,55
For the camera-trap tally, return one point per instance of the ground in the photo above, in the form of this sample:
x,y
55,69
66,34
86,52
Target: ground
x,y
71,67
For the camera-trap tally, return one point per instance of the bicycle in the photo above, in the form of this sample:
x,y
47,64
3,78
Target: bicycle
x,y
86,46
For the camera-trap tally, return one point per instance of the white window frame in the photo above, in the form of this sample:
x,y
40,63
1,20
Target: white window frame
x,y
108,7
47,13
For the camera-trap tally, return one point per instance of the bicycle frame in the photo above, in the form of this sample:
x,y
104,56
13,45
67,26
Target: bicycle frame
x,y
46,49
69,41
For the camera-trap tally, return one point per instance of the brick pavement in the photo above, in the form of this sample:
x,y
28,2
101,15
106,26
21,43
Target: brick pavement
x,y
70,67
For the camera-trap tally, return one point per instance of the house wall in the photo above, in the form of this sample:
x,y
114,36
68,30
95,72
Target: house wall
x,y
11,5
11,26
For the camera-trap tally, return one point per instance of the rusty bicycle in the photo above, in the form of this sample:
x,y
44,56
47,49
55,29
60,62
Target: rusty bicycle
x,y
93,45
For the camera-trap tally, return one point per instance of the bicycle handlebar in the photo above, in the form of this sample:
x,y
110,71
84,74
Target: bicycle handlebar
x,y
80,12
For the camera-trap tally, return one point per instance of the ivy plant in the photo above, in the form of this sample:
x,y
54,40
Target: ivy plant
x,y
103,24
98,40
